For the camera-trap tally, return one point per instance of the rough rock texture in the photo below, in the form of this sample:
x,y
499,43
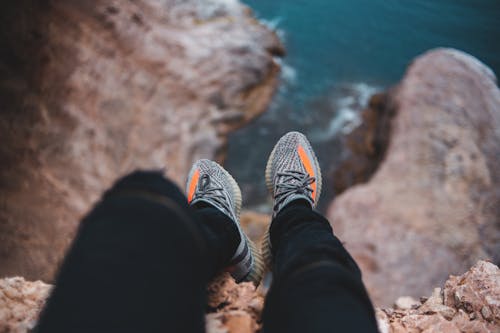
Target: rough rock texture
x,y
91,90
20,303
432,207
467,303
236,307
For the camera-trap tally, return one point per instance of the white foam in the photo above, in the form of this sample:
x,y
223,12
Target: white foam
x,y
272,24
288,73
347,110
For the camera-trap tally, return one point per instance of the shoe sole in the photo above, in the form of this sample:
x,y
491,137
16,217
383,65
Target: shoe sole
x,y
266,239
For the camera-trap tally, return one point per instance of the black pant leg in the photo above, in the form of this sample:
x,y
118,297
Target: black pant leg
x,y
317,286
140,263
220,233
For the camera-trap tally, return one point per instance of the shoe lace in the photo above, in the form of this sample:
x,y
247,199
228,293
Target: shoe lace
x,y
292,182
214,194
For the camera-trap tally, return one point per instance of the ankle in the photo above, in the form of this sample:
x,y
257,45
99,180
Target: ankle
x,y
298,203
219,225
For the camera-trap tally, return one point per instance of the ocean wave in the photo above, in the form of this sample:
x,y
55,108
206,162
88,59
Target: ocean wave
x,y
288,73
348,101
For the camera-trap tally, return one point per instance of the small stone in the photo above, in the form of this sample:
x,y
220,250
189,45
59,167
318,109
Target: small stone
x,y
406,303
382,321
239,322
468,306
437,296
213,323
486,312
447,312
457,298
389,311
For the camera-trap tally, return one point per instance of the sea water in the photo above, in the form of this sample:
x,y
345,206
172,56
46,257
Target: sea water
x,y
338,54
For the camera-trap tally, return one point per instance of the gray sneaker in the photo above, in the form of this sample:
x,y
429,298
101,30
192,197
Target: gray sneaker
x,y
292,173
210,183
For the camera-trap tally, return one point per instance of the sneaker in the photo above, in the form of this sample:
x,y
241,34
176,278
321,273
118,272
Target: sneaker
x,y
210,183
292,173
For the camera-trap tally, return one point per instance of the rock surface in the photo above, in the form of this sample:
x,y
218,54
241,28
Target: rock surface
x,y
236,307
92,90
432,207
20,304
365,147
255,224
467,303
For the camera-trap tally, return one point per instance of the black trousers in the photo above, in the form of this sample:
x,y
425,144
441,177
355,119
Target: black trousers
x,y
142,258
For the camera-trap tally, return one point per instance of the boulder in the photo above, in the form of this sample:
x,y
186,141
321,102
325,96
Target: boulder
x,y
93,90
431,208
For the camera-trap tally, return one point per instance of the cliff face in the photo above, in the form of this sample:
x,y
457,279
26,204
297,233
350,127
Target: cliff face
x,y
432,207
466,303
92,90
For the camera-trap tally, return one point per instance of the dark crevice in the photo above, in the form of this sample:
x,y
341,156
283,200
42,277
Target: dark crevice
x,y
366,146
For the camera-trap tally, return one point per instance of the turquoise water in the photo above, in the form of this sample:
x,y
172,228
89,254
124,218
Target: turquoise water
x,y
340,52
373,40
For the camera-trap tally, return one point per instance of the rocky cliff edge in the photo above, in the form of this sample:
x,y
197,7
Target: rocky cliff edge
x,y
466,303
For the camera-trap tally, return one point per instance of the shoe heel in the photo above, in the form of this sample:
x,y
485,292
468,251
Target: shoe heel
x,y
266,250
257,272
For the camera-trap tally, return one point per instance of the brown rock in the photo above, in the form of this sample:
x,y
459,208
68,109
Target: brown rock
x,y
238,307
477,291
231,322
406,303
240,322
481,280
486,312
430,209
464,324
92,90
20,304
255,224
382,321
434,304
225,294
214,323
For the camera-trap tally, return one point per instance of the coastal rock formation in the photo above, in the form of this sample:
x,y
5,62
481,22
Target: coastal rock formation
x,y
431,207
92,90
467,303
365,146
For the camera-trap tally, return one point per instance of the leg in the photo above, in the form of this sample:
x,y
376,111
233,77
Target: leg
x,y
140,263
317,286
